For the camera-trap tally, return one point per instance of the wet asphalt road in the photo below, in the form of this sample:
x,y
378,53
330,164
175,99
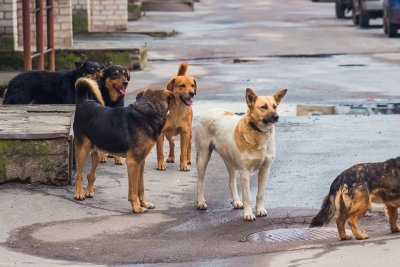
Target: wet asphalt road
x,y
230,45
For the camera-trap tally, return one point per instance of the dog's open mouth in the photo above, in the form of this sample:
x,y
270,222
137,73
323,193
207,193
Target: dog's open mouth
x,y
187,101
121,90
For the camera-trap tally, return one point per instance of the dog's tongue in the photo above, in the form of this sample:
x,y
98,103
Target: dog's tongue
x,y
122,91
188,101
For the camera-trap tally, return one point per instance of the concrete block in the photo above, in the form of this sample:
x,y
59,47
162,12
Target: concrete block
x,y
36,144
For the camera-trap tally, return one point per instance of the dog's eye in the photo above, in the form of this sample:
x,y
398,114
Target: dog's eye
x,y
182,85
265,107
274,106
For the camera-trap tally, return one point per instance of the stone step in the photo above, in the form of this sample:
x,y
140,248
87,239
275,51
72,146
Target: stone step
x,y
36,144
167,5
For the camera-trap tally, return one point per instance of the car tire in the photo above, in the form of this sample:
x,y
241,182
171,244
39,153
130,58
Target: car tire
x,y
364,19
340,10
385,22
391,30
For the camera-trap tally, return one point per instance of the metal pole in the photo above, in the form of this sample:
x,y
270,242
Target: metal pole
x,y
26,28
50,35
40,34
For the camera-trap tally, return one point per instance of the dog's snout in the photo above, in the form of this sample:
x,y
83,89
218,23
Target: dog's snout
x,y
125,83
192,94
275,117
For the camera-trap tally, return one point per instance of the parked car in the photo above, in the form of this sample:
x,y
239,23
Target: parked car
x,y
391,17
343,6
364,10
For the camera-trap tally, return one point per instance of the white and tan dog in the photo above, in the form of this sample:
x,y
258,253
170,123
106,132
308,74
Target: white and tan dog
x,y
246,144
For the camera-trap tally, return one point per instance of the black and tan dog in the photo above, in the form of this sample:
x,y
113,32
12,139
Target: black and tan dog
x,y
352,192
179,120
113,83
129,132
45,87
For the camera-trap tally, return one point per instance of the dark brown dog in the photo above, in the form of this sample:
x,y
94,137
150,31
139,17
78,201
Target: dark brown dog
x,y
353,190
129,132
113,83
179,120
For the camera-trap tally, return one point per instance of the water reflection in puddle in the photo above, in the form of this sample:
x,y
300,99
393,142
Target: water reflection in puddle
x,y
364,108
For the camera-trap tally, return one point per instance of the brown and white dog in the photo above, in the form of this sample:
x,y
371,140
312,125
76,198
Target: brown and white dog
x,y
246,144
179,120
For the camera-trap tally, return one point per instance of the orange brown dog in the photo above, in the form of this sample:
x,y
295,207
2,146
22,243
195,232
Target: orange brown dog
x,y
129,132
179,120
352,192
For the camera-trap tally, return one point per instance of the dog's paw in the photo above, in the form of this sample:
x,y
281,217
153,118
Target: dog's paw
x,y
184,168
249,216
139,210
189,162
79,196
170,160
261,212
395,230
118,161
202,205
161,167
147,205
103,160
237,204
89,194
345,237
362,236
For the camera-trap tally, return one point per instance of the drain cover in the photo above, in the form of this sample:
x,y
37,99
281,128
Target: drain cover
x,y
293,234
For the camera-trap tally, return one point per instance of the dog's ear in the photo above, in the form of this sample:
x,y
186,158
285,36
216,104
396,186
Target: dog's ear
x,y
279,95
78,64
170,97
128,74
251,97
171,84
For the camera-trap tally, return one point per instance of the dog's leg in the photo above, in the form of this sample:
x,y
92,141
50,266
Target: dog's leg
x,y
189,149
118,160
133,184
341,221
160,153
102,157
142,198
236,203
82,151
185,137
202,157
171,156
92,174
263,176
392,215
354,218
245,184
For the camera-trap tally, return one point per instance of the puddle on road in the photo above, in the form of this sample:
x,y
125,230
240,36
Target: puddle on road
x,y
365,108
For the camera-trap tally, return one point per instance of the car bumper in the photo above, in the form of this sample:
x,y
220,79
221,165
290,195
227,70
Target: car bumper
x,y
375,5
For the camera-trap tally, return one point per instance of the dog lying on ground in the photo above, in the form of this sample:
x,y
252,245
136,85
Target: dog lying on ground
x,y
179,120
113,83
45,87
129,132
352,192
246,144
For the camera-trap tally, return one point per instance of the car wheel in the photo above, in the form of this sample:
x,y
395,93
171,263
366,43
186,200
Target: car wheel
x,y
364,19
340,10
392,30
385,22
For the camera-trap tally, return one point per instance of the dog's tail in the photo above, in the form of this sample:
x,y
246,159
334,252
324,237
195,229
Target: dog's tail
x,y
182,69
85,85
329,206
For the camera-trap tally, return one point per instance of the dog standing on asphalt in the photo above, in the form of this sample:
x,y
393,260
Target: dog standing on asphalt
x,y
352,192
179,120
246,144
113,83
129,132
48,87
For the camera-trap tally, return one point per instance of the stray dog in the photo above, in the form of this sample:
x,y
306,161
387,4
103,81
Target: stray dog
x,y
113,83
246,144
352,192
46,87
129,132
179,120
